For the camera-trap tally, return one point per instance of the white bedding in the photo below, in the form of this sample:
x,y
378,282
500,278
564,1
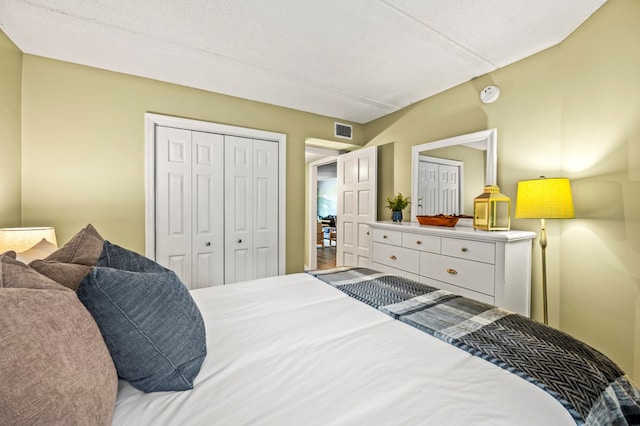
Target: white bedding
x,y
291,350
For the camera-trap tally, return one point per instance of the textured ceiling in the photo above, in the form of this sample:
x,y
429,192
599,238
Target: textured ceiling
x,y
350,59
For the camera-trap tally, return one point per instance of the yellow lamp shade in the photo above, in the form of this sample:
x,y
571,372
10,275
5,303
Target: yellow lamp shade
x,y
491,210
544,198
21,239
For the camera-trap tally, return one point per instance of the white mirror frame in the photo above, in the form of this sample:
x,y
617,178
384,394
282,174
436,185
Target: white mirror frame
x,y
488,138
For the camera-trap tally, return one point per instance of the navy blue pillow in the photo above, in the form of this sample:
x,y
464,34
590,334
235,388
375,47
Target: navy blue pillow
x,y
114,256
150,323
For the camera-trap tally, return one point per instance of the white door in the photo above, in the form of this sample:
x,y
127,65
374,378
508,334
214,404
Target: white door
x,y
189,209
208,210
439,186
449,189
357,184
427,188
251,209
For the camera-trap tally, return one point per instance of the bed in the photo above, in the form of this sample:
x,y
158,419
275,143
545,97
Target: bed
x,y
97,334
295,350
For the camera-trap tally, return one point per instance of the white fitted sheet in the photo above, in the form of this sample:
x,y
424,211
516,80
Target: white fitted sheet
x,y
291,350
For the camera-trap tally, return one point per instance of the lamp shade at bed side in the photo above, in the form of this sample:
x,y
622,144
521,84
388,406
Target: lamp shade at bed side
x,y
21,239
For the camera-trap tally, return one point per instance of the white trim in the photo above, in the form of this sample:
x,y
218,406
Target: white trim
x,y
153,120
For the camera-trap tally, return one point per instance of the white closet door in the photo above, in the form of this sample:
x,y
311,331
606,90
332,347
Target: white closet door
x,y
208,210
173,208
189,210
427,188
357,183
238,208
449,189
265,200
251,209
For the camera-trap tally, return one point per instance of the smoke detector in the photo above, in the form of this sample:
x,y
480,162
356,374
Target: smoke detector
x,y
489,94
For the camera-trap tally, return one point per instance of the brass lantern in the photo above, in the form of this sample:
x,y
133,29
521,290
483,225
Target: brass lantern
x,y
491,210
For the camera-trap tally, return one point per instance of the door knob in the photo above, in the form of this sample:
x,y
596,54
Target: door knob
x,y
207,244
239,241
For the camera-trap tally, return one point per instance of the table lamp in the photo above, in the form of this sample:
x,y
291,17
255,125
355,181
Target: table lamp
x,y
544,198
22,239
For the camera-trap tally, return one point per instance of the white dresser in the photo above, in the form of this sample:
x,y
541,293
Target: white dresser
x,y
493,267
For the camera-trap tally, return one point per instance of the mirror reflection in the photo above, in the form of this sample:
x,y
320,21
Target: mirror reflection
x,y
448,174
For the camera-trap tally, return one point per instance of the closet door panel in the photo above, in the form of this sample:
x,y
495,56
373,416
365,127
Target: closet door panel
x,y
173,208
449,189
428,188
265,213
208,210
238,208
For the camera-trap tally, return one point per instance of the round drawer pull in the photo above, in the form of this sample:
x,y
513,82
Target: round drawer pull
x,y
452,271
464,249
384,236
392,257
418,242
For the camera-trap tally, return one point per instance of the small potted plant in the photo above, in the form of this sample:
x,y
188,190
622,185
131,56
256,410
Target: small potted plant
x,y
397,204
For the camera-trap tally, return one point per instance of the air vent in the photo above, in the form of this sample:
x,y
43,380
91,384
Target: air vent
x,y
344,131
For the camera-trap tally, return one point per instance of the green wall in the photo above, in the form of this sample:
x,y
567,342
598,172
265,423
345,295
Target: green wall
x,y
574,111
83,147
10,164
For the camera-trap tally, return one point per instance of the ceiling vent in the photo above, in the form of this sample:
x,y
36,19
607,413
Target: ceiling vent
x,y
344,131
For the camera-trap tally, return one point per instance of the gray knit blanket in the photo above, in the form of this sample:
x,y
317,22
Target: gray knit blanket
x,y
587,383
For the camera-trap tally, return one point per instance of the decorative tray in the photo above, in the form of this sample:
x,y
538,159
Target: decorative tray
x,y
438,220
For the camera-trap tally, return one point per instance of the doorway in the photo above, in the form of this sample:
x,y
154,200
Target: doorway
x,y
316,234
327,210
356,206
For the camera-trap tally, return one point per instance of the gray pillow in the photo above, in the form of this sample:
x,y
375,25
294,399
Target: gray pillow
x,y
150,323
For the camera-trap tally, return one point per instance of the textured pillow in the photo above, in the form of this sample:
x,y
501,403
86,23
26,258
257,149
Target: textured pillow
x,y
39,251
114,256
73,261
55,367
150,323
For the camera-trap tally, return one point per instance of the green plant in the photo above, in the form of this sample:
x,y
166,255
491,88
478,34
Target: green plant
x,y
398,203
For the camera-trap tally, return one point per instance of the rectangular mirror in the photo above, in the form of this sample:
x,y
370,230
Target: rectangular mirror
x,y
447,174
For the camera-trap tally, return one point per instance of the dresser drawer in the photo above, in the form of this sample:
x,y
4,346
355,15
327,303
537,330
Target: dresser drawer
x,y
396,257
387,237
390,270
479,251
421,242
459,290
468,274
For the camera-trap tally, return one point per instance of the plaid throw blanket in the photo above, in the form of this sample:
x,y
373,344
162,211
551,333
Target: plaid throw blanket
x,y
587,383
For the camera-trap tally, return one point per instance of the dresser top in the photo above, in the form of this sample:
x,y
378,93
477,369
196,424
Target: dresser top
x,y
465,232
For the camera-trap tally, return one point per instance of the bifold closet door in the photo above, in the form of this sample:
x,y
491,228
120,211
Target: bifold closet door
x,y
189,205
251,209
449,189
427,188
438,189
